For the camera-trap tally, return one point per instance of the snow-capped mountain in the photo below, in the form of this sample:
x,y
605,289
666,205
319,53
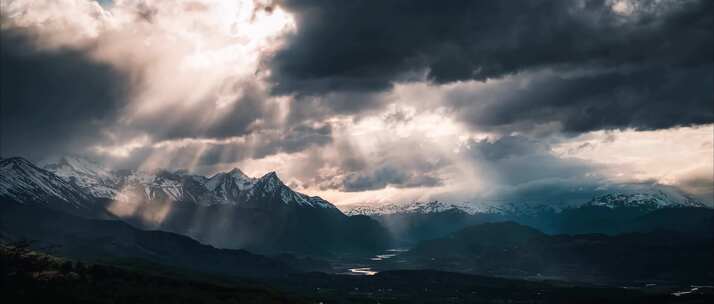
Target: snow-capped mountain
x,y
89,176
23,182
227,210
649,201
224,188
649,198
491,208
413,208
628,208
270,184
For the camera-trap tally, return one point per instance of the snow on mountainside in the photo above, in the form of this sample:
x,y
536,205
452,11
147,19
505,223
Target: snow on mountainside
x,y
23,182
649,198
225,188
90,176
414,208
493,208
650,201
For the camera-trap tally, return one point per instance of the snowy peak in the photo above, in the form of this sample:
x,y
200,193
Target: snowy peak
x,y
82,166
649,201
92,177
238,174
414,208
270,185
23,182
270,182
646,199
16,163
233,178
225,188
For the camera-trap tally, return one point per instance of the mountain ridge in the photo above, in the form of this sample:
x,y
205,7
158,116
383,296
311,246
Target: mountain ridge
x,y
231,187
651,200
24,182
226,210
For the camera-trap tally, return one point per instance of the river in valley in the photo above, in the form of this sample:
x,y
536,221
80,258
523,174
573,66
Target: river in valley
x,y
367,268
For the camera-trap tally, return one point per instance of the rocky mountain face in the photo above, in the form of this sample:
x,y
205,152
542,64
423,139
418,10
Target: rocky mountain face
x,y
228,209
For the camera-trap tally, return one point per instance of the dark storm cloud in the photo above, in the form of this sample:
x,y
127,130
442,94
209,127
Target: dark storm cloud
x,y
645,99
357,104
294,139
387,175
659,57
702,186
516,160
524,170
362,45
53,101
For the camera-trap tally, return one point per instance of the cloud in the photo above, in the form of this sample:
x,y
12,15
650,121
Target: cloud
x,y
363,46
206,155
699,184
384,176
54,100
143,72
555,66
295,139
366,100
645,99
523,168
397,164
680,157
235,109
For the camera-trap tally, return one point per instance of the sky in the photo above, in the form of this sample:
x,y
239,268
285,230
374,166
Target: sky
x,y
371,101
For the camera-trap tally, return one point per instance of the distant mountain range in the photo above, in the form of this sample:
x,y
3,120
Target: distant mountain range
x,y
654,198
228,209
650,208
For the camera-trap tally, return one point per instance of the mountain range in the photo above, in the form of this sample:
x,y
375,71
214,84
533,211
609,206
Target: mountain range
x,y
648,198
233,224
224,188
227,210
648,208
233,210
